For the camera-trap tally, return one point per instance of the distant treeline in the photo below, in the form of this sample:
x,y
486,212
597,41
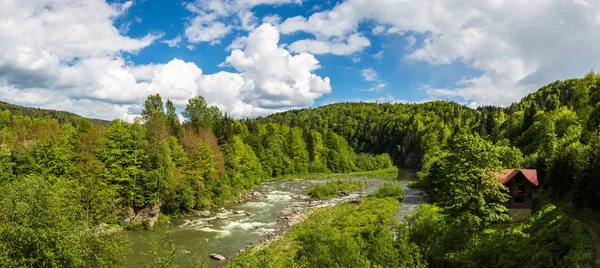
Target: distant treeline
x,y
61,116
557,129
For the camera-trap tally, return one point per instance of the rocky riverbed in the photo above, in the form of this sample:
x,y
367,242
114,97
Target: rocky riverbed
x,y
262,215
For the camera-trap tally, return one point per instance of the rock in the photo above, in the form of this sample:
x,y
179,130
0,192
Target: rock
x,y
208,226
357,201
204,213
248,214
222,217
242,250
343,193
239,212
250,196
217,257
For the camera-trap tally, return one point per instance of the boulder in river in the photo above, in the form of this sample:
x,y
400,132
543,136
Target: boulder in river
x,y
202,213
239,212
217,257
250,196
222,217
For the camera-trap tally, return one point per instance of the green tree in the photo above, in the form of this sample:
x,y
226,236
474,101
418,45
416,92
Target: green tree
x,y
297,150
6,166
463,182
122,154
171,118
153,116
200,115
39,227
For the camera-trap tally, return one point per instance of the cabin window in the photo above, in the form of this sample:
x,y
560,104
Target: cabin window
x,y
520,200
521,189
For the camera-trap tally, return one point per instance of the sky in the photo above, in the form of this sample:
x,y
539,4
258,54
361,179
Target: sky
x,y
101,59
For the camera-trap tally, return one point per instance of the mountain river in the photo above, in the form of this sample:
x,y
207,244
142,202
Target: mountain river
x,y
235,226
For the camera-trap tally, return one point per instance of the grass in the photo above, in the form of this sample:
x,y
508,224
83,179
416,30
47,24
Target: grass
x,y
389,189
347,218
332,189
388,173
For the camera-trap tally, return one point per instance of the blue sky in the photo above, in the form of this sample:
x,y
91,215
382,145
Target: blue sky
x,y
255,57
403,77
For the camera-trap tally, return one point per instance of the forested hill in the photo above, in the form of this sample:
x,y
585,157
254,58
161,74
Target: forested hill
x,y
556,128
32,113
405,131
72,174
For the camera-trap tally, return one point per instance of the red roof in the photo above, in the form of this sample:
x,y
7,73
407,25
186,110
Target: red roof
x,y
507,174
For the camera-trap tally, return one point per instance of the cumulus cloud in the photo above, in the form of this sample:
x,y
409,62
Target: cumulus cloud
x,y
204,29
67,55
273,77
214,19
517,45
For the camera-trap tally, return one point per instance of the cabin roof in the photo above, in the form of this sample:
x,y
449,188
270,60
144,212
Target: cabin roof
x,y
507,174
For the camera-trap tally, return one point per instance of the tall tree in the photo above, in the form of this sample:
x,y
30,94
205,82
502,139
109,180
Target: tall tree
x,y
171,118
463,183
153,116
200,115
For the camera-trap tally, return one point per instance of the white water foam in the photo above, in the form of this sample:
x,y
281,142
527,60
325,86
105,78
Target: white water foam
x,y
246,225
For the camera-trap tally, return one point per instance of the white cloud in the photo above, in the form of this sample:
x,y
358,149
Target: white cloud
x,y
273,77
369,74
65,29
517,45
237,43
355,43
214,19
272,19
202,30
378,29
379,55
82,73
173,42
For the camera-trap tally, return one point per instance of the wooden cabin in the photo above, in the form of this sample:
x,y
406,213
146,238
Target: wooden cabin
x,y
520,184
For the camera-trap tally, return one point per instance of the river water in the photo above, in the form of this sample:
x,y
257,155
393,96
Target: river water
x,y
226,232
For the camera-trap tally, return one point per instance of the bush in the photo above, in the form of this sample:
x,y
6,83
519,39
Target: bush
x,y
368,162
331,189
389,189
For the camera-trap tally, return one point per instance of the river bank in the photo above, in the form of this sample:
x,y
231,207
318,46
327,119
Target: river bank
x,y
237,226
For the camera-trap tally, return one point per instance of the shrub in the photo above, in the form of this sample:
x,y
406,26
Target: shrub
x,y
331,189
389,189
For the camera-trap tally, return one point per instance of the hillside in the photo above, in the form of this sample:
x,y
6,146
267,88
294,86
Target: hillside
x,y
73,174
31,112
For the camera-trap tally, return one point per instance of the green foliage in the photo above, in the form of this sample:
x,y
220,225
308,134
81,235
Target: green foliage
x,y
461,181
346,235
369,162
163,250
389,189
548,238
200,115
40,226
171,118
334,188
6,166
